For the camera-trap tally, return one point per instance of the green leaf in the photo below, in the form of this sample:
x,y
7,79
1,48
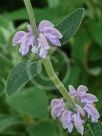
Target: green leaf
x,y
70,25
74,77
20,75
1,86
32,102
40,14
5,33
42,129
99,103
93,129
96,30
2,38
6,23
95,53
6,29
53,3
7,121
94,71
81,45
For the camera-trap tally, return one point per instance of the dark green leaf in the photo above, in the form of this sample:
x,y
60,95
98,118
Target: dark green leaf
x,y
70,25
74,76
93,129
81,45
42,129
95,53
99,103
96,31
7,121
40,14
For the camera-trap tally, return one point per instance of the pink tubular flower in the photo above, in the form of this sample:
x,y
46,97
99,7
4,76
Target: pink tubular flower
x,y
84,107
47,35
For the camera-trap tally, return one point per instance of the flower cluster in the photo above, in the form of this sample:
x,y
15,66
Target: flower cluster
x,y
84,107
47,35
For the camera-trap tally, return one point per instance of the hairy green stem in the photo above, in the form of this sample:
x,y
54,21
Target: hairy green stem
x,y
47,62
52,75
31,18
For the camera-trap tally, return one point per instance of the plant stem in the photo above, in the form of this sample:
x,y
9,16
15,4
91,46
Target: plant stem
x,y
52,75
46,62
31,18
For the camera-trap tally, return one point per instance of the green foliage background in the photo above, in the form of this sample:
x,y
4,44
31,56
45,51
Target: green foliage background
x,y
25,113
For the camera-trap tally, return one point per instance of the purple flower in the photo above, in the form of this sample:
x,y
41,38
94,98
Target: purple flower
x,y
52,34
82,90
57,106
79,92
84,107
25,39
78,122
88,98
47,34
80,110
82,94
42,46
92,112
67,120
72,90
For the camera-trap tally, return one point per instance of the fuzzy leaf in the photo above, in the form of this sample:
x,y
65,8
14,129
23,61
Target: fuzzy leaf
x,y
20,75
70,25
32,102
93,129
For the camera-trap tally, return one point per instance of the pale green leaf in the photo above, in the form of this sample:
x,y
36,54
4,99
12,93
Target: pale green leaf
x,y
32,102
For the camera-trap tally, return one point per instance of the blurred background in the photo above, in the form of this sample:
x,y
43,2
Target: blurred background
x,y
19,117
